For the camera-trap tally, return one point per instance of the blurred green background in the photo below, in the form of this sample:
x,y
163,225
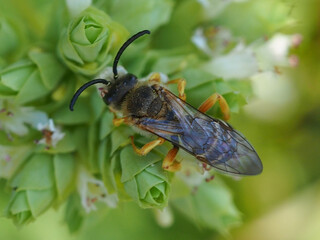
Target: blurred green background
x,y
281,203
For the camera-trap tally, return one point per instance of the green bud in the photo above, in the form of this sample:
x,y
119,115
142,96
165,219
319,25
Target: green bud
x,y
31,78
42,181
144,179
85,45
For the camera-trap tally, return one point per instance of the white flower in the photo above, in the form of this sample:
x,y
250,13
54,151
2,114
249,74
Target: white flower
x,y
13,118
213,8
51,134
245,62
200,40
164,217
192,172
276,97
274,52
212,41
240,63
92,191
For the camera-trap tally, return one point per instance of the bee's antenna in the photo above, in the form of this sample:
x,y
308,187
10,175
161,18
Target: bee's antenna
x,y
121,50
82,88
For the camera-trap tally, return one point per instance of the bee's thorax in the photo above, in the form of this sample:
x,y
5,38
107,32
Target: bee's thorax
x,y
143,101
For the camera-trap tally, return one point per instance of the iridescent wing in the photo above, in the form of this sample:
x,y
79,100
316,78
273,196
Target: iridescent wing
x,y
210,140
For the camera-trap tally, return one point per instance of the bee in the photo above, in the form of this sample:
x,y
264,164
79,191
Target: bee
x,y
151,107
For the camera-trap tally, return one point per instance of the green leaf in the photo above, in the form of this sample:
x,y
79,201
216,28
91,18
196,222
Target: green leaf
x,y
174,64
32,89
106,124
64,171
200,93
235,101
92,160
140,14
185,18
15,75
39,201
74,214
195,77
211,206
134,164
80,137
6,91
40,179
120,137
18,155
82,113
20,204
49,67
97,105
9,37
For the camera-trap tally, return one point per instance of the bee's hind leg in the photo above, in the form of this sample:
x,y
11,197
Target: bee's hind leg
x,y
169,162
207,104
144,150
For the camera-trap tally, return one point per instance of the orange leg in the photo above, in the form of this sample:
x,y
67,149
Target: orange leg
x,y
169,162
207,104
118,121
155,77
181,86
147,147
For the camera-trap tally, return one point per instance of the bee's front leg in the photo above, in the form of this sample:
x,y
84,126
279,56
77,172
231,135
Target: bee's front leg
x,y
156,78
147,147
169,162
118,121
181,86
207,104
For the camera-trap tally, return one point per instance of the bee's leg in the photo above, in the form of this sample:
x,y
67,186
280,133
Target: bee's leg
x,y
207,104
181,86
118,121
147,147
169,162
155,77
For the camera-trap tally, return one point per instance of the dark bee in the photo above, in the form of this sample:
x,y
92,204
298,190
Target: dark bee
x,y
150,107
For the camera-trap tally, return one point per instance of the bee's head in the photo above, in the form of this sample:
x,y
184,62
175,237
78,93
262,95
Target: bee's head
x,y
115,90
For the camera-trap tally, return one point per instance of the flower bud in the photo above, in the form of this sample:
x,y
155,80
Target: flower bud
x,y
41,182
144,179
85,45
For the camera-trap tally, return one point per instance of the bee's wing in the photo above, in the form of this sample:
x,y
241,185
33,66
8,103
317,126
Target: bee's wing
x,y
209,140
